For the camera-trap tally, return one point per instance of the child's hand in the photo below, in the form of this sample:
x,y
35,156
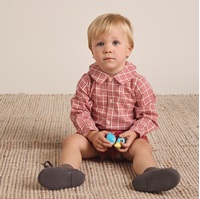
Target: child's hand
x,y
130,136
99,140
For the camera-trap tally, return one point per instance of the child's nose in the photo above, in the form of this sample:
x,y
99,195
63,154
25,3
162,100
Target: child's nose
x,y
107,49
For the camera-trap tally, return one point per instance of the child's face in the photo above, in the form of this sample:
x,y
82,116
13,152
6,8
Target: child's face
x,y
111,50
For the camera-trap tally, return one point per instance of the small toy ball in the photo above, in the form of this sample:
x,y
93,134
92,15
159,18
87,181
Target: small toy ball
x,y
118,142
111,137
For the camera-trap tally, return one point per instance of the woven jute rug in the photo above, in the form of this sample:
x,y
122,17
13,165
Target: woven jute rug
x,y
32,128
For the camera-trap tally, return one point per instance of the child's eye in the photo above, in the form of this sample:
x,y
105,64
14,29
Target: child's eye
x,y
100,44
115,43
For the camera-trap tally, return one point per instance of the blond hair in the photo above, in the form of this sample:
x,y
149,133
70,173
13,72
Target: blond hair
x,y
105,23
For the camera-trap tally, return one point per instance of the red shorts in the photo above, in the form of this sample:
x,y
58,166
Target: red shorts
x,y
112,153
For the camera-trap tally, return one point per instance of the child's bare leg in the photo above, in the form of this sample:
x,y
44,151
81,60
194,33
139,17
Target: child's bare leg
x,y
149,177
141,150
74,148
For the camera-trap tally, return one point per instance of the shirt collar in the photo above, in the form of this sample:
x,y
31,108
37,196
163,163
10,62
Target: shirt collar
x,y
122,77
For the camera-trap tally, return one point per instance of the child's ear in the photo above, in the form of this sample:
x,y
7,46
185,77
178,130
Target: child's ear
x,y
129,51
91,50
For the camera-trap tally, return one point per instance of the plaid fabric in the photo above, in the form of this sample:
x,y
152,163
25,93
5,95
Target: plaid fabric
x,y
123,102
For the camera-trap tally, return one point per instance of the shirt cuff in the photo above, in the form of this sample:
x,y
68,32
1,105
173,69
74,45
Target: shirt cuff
x,y
86,131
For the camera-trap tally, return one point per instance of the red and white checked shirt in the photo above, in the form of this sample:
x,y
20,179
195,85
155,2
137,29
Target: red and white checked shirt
x,y
123,102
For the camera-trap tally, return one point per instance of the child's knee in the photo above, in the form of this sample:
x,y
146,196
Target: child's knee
x,y
73,140
69,140
142,146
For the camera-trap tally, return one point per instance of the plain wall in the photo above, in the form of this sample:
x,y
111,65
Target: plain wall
x,y
43,43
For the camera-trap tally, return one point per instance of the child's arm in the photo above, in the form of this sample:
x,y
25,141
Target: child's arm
x,y
81,107
145,111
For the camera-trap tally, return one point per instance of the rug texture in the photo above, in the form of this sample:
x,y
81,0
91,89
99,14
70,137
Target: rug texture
x,y
32,128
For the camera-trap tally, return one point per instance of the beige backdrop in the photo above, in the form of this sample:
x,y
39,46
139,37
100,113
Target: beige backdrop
x,y
43,43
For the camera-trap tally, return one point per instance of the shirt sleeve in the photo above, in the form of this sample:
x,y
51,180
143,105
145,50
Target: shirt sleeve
x,y
81,107
145,110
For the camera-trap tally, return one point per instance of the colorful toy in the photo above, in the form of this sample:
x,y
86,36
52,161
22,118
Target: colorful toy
x,y
118,142
111,137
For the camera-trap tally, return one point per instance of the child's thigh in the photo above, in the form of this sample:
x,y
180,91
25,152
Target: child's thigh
x,y
81,143
138,147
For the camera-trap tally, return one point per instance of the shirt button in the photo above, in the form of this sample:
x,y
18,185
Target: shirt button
x,y
108,122
110,79
111,100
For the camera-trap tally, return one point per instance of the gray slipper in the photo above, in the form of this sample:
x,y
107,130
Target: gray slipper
x,y
156,180
55,178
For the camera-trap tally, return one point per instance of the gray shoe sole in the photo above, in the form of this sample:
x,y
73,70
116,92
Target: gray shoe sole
x,y
157,180
55,178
